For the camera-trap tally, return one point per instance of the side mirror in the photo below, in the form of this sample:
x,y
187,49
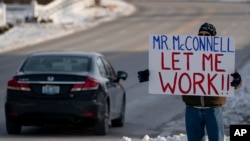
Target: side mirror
x,y
121,75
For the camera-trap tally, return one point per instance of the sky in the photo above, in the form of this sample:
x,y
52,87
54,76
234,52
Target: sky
x,y
235,111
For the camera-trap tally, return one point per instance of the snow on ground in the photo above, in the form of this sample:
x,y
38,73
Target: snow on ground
x,y
65,22
236,111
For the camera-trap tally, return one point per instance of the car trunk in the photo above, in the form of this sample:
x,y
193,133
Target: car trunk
x,y
49,85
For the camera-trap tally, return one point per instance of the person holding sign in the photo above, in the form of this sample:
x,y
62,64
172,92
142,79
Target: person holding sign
x,y
204,111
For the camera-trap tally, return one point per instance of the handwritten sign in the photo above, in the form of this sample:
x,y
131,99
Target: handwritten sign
x,y
191,65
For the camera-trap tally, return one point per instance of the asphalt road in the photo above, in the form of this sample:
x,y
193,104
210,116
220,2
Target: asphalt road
x,y
125,43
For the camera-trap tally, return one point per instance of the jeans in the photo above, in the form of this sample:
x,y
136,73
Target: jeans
x,y
200,120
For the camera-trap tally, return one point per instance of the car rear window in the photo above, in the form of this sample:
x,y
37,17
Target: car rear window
x,y
56,64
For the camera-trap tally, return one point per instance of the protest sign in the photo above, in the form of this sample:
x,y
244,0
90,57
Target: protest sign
x,y
191,65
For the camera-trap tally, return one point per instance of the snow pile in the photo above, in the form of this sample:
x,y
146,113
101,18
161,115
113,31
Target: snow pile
x,y
236,110
181,137
66,22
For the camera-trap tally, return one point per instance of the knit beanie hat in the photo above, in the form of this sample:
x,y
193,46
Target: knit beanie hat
x,y
209,28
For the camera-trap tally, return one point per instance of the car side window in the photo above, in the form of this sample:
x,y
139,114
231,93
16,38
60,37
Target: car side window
x,y
101,67
109,68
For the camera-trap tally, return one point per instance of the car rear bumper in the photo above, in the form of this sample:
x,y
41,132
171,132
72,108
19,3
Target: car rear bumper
x,y
36,113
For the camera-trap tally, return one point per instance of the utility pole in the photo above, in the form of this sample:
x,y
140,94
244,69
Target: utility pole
x,y
97,2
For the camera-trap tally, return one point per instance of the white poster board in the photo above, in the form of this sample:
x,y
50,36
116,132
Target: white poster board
x,y
191,65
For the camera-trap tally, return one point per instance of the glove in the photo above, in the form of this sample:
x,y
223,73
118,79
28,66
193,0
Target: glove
x,y
236,79
143,75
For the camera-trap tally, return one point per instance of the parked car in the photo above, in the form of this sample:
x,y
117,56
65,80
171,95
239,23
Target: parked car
x,y
78,88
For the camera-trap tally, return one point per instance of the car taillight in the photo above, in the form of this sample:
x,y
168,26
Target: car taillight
x,y
88,114
89,84
13,84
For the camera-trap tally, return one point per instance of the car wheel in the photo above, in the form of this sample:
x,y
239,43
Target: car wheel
x,y
119,122
102,127
13,127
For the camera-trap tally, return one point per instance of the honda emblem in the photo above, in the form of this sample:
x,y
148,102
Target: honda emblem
x,y
50,78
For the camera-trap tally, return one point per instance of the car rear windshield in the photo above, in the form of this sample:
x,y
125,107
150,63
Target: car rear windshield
x,y
56,64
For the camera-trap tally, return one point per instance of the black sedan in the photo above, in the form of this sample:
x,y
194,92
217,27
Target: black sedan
x,y
55,88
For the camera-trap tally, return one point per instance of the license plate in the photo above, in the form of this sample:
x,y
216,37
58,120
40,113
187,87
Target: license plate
x,y
50,89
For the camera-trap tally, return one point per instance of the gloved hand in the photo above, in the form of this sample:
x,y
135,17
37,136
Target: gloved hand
x,y
143,75
236,79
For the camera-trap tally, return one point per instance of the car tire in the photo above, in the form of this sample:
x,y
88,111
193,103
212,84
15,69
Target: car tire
x,y
13,127
102,127
119,122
